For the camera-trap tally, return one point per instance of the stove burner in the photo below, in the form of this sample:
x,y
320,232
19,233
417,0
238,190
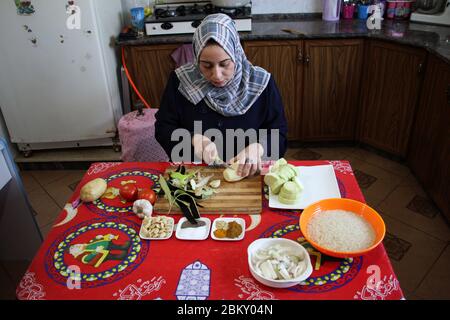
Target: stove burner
x,y
166,13
232,12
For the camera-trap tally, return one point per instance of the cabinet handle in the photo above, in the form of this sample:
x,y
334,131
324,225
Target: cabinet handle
x,y
300,55
420,68
448,93
307,59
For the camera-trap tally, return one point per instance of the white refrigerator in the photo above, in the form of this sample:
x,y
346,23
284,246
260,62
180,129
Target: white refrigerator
x,y
59,82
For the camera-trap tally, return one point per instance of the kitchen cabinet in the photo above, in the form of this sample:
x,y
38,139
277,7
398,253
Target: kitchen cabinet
x,y
332,75
150,67
283,59
429,150
391,84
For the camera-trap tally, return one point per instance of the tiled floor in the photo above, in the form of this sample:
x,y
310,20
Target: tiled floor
x,y
417,237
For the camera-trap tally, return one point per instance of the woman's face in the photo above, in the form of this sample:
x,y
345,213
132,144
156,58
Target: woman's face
x,y
216,65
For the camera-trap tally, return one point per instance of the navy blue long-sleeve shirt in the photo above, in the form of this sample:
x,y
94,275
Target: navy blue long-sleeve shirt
x,y
177,112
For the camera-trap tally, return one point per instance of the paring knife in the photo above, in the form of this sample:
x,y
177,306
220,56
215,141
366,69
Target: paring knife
x,y
292,31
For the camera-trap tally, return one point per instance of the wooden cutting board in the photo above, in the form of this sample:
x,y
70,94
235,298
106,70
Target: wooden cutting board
x,y
241,197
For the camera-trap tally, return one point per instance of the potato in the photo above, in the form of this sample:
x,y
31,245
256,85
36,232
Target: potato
x,y
93,190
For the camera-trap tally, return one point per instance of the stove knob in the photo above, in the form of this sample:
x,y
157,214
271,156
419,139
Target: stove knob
x,y
196,23
166,26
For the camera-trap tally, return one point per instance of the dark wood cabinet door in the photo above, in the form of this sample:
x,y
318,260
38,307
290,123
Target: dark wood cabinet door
x,y
332,76
391,85
283,60
429,150
150,67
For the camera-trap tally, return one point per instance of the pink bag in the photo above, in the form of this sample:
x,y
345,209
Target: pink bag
x,y
137,137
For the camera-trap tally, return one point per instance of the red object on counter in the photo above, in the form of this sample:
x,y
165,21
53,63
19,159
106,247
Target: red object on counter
x,y
398,10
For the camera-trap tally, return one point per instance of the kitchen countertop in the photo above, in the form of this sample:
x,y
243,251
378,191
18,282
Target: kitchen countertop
x,y
433,38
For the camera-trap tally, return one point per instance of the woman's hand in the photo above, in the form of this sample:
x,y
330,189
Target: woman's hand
x,y
249,160
204,148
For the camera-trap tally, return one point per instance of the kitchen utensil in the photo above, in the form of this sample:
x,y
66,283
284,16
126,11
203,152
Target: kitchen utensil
x,y
293,31
331,10
359,208
348,10
319,182
137,20
291,245
398,10
241,197
363,11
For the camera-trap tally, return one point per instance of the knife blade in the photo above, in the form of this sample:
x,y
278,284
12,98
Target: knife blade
x,y
292,31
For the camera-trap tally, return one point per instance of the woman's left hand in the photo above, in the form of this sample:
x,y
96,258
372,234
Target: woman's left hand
x,y
249,160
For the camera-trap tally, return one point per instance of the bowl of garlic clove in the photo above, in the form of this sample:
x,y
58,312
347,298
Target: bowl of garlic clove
x,y
279,262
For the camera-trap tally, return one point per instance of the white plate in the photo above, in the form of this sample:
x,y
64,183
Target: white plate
x,y
172,222
238,220
200,233
319,182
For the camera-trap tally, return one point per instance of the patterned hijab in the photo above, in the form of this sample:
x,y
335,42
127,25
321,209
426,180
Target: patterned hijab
x,y
239,94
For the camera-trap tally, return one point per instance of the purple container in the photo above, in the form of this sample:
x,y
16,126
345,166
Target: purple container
x,y
331,10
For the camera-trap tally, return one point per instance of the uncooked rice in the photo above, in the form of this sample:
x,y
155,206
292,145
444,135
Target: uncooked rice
x,y
340,230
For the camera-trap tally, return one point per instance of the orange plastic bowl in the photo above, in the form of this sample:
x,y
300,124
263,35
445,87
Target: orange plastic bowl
x,y
369,214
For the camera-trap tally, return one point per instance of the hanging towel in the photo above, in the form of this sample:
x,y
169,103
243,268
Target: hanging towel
x,y
183,55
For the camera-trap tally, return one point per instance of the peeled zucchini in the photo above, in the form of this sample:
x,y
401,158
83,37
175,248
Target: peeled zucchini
x,y
230,174
290,192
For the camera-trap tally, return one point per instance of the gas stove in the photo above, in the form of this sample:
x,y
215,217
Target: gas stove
x,y
179,18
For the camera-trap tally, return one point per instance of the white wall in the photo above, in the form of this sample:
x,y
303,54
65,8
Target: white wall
x,y
286,6
260,6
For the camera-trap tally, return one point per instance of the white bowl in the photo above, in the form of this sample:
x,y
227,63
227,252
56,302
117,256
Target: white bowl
x,y
267,242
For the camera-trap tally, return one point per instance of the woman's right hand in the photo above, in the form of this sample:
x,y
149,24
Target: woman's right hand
x,y
204,148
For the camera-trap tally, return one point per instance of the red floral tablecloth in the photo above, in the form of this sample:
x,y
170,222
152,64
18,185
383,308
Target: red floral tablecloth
x,y
177,269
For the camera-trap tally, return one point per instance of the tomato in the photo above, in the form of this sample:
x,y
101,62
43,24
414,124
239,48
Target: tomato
x,y
129,192
147,194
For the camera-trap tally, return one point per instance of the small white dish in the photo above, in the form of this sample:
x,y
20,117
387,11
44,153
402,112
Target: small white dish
x,y
199,233
170,220
265,243
319,183
227,220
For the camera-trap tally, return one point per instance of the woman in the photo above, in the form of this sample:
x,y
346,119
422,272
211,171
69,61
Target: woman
x,y
221,90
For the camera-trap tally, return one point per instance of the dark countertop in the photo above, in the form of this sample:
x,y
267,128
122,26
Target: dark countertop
x,y
269,27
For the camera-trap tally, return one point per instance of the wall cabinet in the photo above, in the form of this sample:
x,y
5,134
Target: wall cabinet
x,y
391,86
429,150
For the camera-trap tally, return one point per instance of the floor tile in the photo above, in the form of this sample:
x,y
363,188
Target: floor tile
x,y
45,207
29,182
399,205
306,154
290,152
364,180
45,230
437,282
417,261
330,153
60,190
380,188
45,177
382,162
